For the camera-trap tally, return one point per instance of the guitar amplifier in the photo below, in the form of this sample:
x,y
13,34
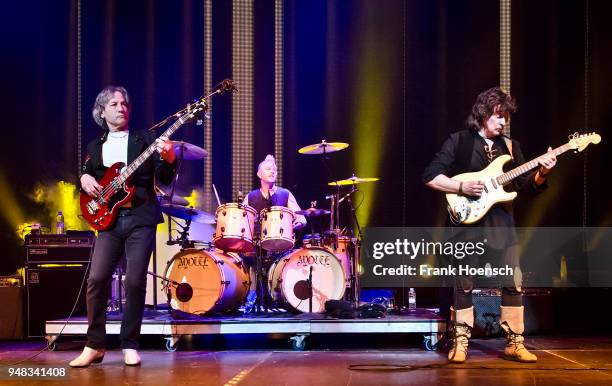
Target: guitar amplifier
x,y
52,290
11,299
59,248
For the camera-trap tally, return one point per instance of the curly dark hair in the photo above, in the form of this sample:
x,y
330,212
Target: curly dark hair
x,y
488,102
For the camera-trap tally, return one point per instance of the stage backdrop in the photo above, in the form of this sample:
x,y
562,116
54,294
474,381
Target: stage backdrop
x,y
391,78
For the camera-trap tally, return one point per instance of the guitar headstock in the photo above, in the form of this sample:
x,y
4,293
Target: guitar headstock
x,y
200,105
579,142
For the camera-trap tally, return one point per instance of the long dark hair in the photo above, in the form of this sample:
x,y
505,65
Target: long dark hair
x,y
486,104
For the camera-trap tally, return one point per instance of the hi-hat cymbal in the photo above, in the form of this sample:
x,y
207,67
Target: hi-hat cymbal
x,y
354,180
312,212
188,151
323,147
187,213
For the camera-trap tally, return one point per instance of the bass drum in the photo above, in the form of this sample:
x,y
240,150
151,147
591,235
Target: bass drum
x,y
288,279
219,281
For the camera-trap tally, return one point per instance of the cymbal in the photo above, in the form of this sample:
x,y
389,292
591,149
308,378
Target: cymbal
x,y
323,147
187,213
312,212
188,151
177,200
354,180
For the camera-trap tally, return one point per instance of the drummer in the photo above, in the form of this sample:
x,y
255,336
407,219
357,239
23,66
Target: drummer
x,y
269,194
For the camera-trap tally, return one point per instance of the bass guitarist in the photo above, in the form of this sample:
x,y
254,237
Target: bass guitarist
x,y
133,232
472,150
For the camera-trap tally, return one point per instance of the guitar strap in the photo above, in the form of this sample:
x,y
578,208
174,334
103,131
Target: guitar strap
x,y
508,142
465,148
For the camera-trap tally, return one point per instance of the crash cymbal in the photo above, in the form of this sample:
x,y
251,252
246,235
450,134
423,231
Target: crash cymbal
x,y
188,151
323,147
187,213
354,180
176,200
312,212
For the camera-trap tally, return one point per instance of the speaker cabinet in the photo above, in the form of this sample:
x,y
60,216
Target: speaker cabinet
x,y
11,299
52,291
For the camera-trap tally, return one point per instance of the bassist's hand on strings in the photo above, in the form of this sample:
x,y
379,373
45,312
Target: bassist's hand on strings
x,y
90,185
471,188
165,148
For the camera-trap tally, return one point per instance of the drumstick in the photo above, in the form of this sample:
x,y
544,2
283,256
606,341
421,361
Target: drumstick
x,y
216,195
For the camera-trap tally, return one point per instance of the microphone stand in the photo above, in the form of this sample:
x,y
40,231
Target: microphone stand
x,y
309,281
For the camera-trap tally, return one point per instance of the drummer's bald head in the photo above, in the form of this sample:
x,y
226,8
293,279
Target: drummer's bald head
x,y
269,159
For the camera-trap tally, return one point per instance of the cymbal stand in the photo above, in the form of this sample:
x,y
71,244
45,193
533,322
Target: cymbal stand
x,y
183,238
357,258
334,218
178,172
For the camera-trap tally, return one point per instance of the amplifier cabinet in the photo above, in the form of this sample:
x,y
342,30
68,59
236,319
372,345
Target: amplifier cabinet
x,y
58,248
51,291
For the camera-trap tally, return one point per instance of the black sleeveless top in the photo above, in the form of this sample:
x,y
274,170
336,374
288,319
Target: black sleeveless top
x,y
259,202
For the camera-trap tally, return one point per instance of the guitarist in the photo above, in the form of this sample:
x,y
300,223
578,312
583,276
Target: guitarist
x,y
472,150
133,234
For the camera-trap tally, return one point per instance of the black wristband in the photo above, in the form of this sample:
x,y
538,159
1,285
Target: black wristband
x,y
461,187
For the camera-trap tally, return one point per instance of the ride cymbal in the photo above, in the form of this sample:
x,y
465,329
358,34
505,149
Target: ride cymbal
x,y
188,151
313,212
323,147
354,180
187,213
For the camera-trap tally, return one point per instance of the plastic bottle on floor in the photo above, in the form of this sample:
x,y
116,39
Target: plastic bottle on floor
x,y
411,299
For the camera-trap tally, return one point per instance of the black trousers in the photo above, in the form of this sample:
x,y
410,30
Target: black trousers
x,y
511,285
136,242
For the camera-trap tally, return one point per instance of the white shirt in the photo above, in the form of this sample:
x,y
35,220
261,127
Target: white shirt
x,y
115,148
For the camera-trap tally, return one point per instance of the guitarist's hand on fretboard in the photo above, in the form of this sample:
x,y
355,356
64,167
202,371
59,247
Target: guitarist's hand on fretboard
x,y
547,161
90,185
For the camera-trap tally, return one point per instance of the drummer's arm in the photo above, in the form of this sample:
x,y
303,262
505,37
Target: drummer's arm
x,y
300,221
246,200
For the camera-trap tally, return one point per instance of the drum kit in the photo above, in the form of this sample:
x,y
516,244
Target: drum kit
x,y
217,276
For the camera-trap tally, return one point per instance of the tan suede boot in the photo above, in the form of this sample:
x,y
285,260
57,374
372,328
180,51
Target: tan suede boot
x,y
463,322
87,357
511,321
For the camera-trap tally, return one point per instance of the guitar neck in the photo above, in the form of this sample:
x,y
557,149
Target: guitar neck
x,y
127,173
510,175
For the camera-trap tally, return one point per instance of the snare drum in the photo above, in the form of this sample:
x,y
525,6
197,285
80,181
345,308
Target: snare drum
x,y
311,240
287,279
235,224
277,228
219,281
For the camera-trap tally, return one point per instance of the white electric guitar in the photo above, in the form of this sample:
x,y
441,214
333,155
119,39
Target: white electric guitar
x,y
468,210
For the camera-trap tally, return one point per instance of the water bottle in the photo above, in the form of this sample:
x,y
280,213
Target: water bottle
x,y
59,223
411,299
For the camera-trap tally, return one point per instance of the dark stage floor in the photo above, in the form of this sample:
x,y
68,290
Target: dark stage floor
x,y
562,361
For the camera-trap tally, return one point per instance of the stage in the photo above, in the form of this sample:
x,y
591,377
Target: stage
x,y
299,327
561,361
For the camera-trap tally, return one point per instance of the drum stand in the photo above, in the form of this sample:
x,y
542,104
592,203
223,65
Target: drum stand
x,y
262,298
